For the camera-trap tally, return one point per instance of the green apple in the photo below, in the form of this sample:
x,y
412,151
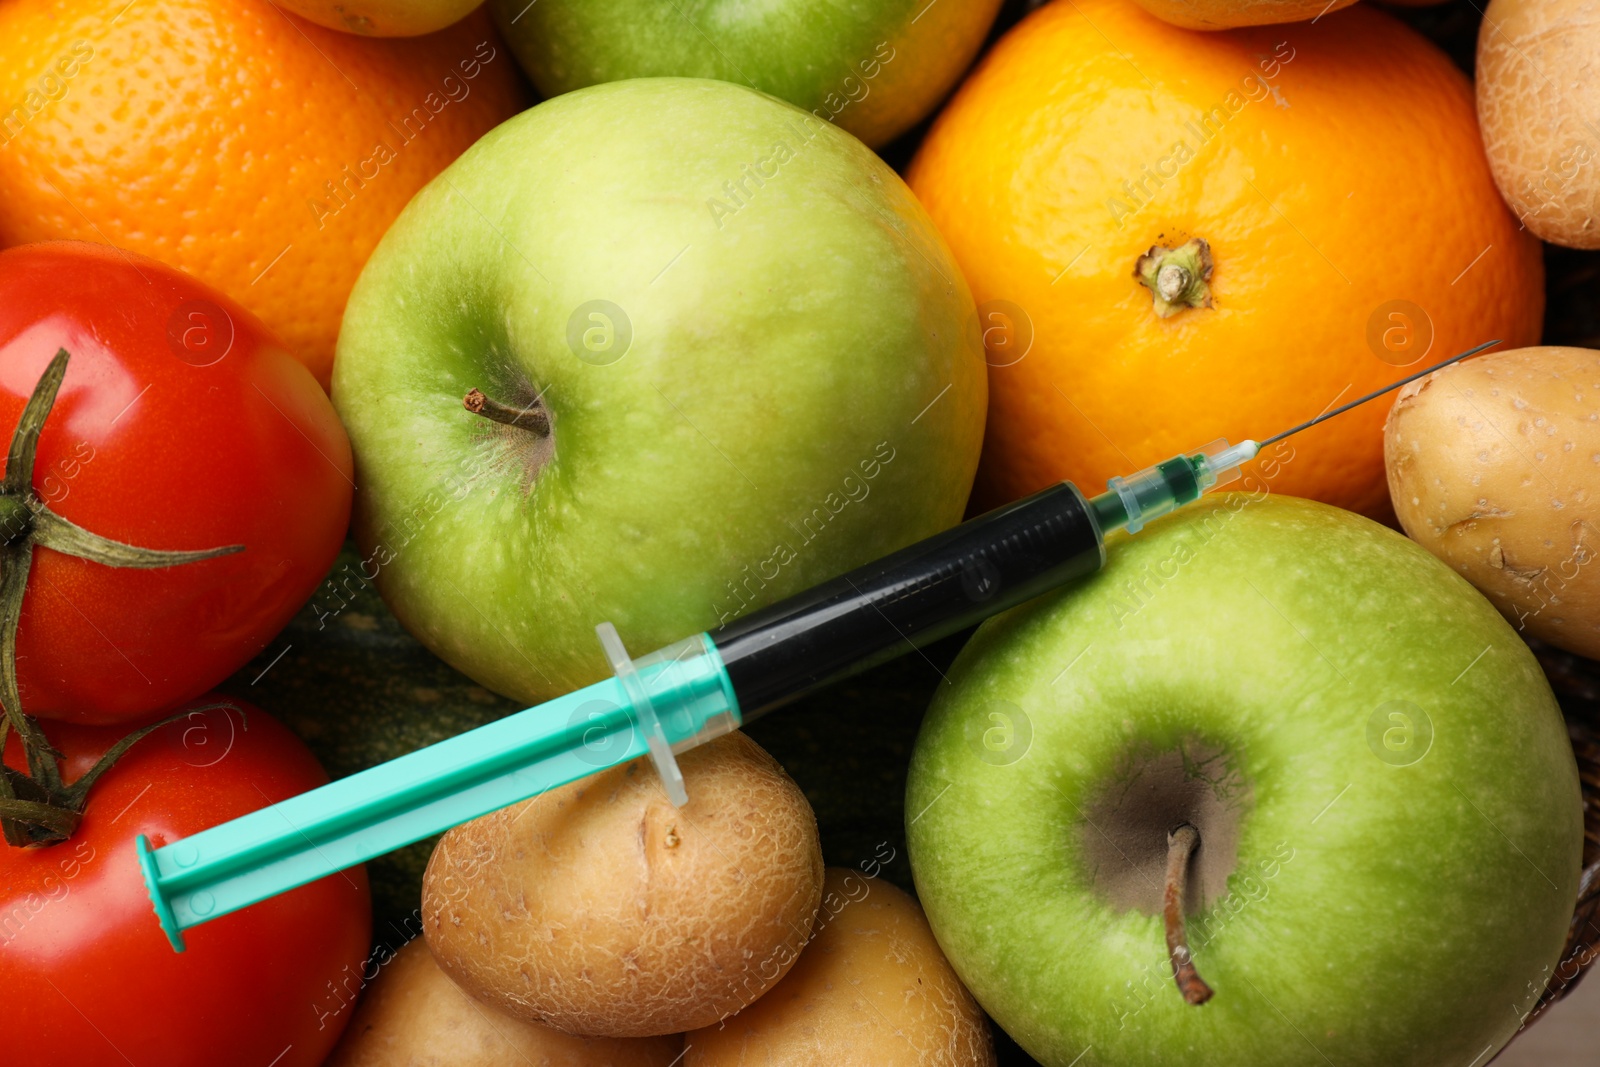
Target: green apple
x,y
875,67
744,362
383,18
1386,802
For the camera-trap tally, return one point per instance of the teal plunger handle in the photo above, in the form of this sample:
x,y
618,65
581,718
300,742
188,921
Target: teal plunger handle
x,y
674,698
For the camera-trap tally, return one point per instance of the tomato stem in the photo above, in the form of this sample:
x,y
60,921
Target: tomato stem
x,y
37,807
16,519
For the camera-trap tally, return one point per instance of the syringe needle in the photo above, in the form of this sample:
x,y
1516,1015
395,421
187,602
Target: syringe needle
x,y
1325,416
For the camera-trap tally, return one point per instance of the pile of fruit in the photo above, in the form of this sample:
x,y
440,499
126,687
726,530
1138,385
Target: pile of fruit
x,y
348,389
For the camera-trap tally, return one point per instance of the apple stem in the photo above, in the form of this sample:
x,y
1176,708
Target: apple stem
x,y
533,417
1181,844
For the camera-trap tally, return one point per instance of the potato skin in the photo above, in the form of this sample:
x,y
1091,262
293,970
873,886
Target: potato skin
x,y
872,989
600,909
1494,467
1537,88
412,1015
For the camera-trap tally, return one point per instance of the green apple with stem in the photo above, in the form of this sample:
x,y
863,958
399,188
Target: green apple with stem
x,y
1276,787
655,353
875,67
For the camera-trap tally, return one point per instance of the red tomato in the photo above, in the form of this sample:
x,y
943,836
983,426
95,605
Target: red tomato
x,y
88,975
181,424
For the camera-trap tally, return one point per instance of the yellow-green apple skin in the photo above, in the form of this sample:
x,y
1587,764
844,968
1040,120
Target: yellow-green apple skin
x,y
1408,813
874,67
760,364
383,18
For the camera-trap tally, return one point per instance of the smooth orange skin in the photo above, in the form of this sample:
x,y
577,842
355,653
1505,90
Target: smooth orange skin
x,y
201,133
1371,186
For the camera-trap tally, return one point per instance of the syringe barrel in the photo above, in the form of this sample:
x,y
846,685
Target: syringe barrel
x,y
926,591
1155,491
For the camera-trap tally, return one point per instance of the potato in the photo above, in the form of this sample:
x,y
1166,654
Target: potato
x,y
412,1015
872,988
601,909
1538,94
1494,467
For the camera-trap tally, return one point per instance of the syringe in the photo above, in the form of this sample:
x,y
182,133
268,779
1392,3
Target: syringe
x,y
687,693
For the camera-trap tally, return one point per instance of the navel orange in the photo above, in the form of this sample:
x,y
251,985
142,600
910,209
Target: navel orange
x,y
260,153
1350,228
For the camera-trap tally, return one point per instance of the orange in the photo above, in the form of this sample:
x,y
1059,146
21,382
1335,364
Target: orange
x,y
1335,171
260,153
